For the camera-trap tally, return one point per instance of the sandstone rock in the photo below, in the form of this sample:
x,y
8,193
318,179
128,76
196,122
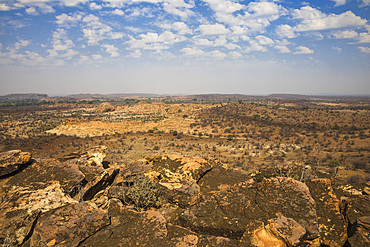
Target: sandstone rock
x,y
105,107
68,225
20,206
131,228
91,157
356,210
42,172
296,171
260,235
291,231
220,177
101,182
332,226
228,212
179,177
12,161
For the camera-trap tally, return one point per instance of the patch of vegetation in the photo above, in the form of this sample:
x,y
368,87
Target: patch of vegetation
x,y
143,193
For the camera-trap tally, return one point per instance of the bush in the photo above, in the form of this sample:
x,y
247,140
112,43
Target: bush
x,y
143,193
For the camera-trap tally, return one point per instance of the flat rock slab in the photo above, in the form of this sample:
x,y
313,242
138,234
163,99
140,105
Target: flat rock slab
x,y
43,171
228,213
20,207
332,226
11,161
131,228
68,225
219,178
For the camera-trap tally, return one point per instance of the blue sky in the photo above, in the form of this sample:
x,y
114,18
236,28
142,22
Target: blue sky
x,y
185,46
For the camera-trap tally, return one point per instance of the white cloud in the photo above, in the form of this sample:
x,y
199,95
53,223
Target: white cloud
x,y
96,56
314,20
215,29
364,38
21,43
339,2
335,48
203,42
303,50
347,34
255,46
217,54
135,54
364,49
60,45
119,12
31,11
112,50
181,28
285,31
263,40
70,53
155,41
235,55
4,7
83,59
365,3
282,49
94,6
68,20
191,52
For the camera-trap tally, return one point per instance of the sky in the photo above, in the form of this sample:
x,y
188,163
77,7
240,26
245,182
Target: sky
x,y
185,47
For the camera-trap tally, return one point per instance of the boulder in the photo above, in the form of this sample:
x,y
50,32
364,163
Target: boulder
x,y
179,177
332,226
228,213
296,171
356,210
131,228
90,157
68,225
12,161
220,177
44,171
21,206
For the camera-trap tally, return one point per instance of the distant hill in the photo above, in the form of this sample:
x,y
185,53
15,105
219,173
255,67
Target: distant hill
x,y
111,96
23,97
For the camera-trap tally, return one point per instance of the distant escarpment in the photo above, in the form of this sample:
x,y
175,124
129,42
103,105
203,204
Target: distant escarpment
x,y
83,200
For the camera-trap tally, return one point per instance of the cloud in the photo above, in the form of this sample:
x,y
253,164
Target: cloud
x,y
255,46
94,6
70,53
135,54
31,11
4,7
347,34
314,20
155,41
235,55
215,29
191,52
365,3
112,50
285,31
364,38
282,49
339,2
21,43
118,12
180,27
303,50
68,20
96,56
335,48
263,40
364,49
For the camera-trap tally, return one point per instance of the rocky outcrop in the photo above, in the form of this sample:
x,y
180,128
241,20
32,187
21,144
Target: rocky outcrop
x,y
105,107
90,157
76,201
12,161
68,225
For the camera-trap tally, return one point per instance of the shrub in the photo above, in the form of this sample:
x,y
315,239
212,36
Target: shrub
x,y
143,193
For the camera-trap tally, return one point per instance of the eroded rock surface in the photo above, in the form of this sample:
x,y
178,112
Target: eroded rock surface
x,y
12,161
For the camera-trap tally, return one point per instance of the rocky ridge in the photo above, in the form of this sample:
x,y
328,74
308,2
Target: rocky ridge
x,y
82,200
